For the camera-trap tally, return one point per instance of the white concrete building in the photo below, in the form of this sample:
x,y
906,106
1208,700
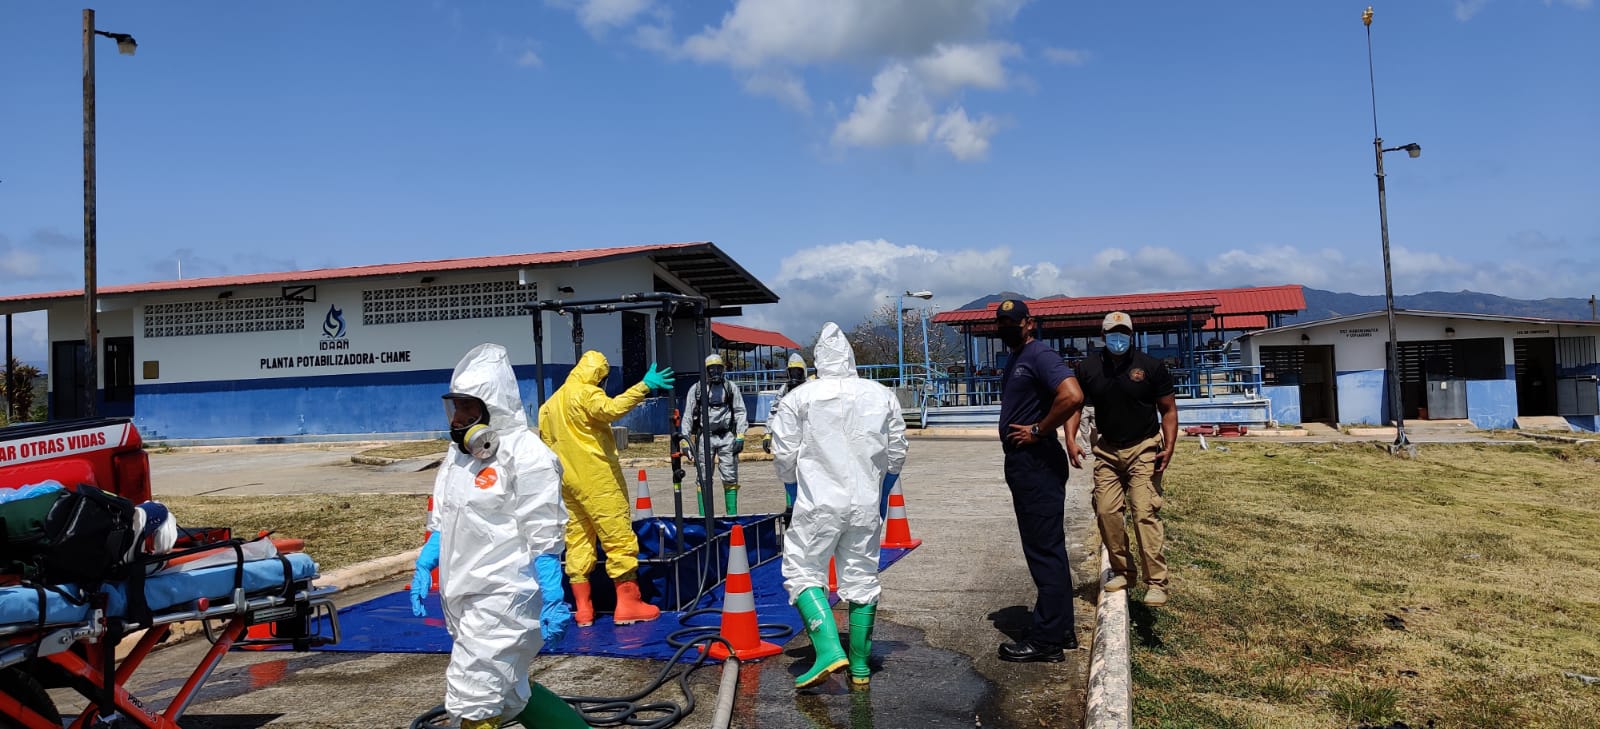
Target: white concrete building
x,y
1486,368
366,350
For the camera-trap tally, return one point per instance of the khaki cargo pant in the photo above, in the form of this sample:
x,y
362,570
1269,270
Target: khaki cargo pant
x,y
1127,476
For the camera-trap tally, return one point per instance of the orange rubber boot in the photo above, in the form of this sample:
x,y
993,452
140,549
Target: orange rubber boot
x,y
583,612
630,607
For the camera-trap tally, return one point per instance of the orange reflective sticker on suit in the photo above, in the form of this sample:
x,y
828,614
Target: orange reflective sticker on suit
x,y
487,478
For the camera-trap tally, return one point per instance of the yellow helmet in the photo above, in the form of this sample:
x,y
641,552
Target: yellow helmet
x,y
715,360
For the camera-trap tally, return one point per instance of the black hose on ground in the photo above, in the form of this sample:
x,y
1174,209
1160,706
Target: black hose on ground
x,y
604,711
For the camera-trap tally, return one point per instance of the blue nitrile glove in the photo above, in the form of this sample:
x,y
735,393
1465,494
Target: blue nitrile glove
x,y
556,615
659,379
422,578
889,480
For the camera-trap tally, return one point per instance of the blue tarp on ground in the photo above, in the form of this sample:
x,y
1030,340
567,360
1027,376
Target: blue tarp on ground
x,y
386,625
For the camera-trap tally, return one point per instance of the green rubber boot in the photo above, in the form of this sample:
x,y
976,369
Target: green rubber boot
x,y
861,619
818,616
545,709
730,497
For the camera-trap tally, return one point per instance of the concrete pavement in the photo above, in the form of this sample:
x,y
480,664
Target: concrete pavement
x,y
945,609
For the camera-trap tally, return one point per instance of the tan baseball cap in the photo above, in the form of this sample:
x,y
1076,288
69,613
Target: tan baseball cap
x,y
1117,319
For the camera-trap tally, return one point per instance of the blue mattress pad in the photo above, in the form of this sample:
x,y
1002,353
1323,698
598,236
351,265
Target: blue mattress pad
x,y
164,591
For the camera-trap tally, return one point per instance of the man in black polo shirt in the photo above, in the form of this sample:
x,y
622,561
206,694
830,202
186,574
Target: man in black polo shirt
x,y
1037,395
1127,389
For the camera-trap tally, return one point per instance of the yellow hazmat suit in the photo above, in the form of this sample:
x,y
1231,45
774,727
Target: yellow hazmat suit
x,y
576,424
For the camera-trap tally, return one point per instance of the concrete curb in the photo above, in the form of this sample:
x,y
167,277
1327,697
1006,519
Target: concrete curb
x,y
1556,438
344,578
1110,703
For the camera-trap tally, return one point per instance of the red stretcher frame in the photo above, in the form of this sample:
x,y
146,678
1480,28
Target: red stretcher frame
x,y
82,661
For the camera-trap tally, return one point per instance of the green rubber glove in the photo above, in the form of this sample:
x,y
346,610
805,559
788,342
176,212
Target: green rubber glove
x,y
659,379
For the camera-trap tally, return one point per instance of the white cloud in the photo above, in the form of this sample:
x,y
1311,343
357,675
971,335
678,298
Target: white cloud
x,y
598,16
899,111
842,282
786,87
1465,9
895,112
955,66
927,53
758,32
967,139
33,259
19,263
520,52
1067,56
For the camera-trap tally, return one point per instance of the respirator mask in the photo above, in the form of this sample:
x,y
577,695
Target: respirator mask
x,y
469,426
1119,342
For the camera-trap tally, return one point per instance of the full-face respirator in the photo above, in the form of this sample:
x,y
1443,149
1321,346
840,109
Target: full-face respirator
x,y
469,426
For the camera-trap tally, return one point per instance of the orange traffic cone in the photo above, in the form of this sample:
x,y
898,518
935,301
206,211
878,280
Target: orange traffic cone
x,y
833,576
642,509
897,533
739,624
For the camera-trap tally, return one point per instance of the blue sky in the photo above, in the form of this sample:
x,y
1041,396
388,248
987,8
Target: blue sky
x,y
841,149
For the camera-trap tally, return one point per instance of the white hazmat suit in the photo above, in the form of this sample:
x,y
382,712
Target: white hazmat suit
x,y
495,516
836,438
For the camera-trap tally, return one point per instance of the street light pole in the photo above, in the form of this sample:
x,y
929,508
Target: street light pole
x,y
927,360
1414,150
91,329
900,339
900,332
90,325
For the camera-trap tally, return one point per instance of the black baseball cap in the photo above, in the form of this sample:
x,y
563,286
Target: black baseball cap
x,y
1014,309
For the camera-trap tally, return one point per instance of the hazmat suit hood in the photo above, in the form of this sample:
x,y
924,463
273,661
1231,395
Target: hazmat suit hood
x,y
592,369
835,359
485,373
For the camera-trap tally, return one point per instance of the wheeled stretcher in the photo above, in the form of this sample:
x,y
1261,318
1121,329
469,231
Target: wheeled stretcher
x,y
52,638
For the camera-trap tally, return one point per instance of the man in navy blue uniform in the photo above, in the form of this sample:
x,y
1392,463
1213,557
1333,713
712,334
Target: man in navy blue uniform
x,y
1038,393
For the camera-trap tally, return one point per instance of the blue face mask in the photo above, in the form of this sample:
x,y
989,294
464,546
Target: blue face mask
x,y
1118,342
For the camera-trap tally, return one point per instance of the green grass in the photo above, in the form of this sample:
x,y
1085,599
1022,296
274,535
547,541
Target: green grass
x,y
1286,560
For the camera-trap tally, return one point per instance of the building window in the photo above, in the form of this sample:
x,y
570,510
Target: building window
x,y
446,302
223,316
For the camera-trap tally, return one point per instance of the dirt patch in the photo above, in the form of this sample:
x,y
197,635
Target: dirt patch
x,y
339,530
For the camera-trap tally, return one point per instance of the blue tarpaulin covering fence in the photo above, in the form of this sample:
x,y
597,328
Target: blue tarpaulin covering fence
x,y
386,625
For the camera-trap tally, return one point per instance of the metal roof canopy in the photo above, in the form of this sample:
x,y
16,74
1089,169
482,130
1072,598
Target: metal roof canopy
x,y
1173,311
702,266
746,339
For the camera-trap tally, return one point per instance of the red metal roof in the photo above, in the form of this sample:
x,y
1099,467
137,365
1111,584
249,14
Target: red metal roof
x,y
1240,308
752,335
1289,299
384,269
